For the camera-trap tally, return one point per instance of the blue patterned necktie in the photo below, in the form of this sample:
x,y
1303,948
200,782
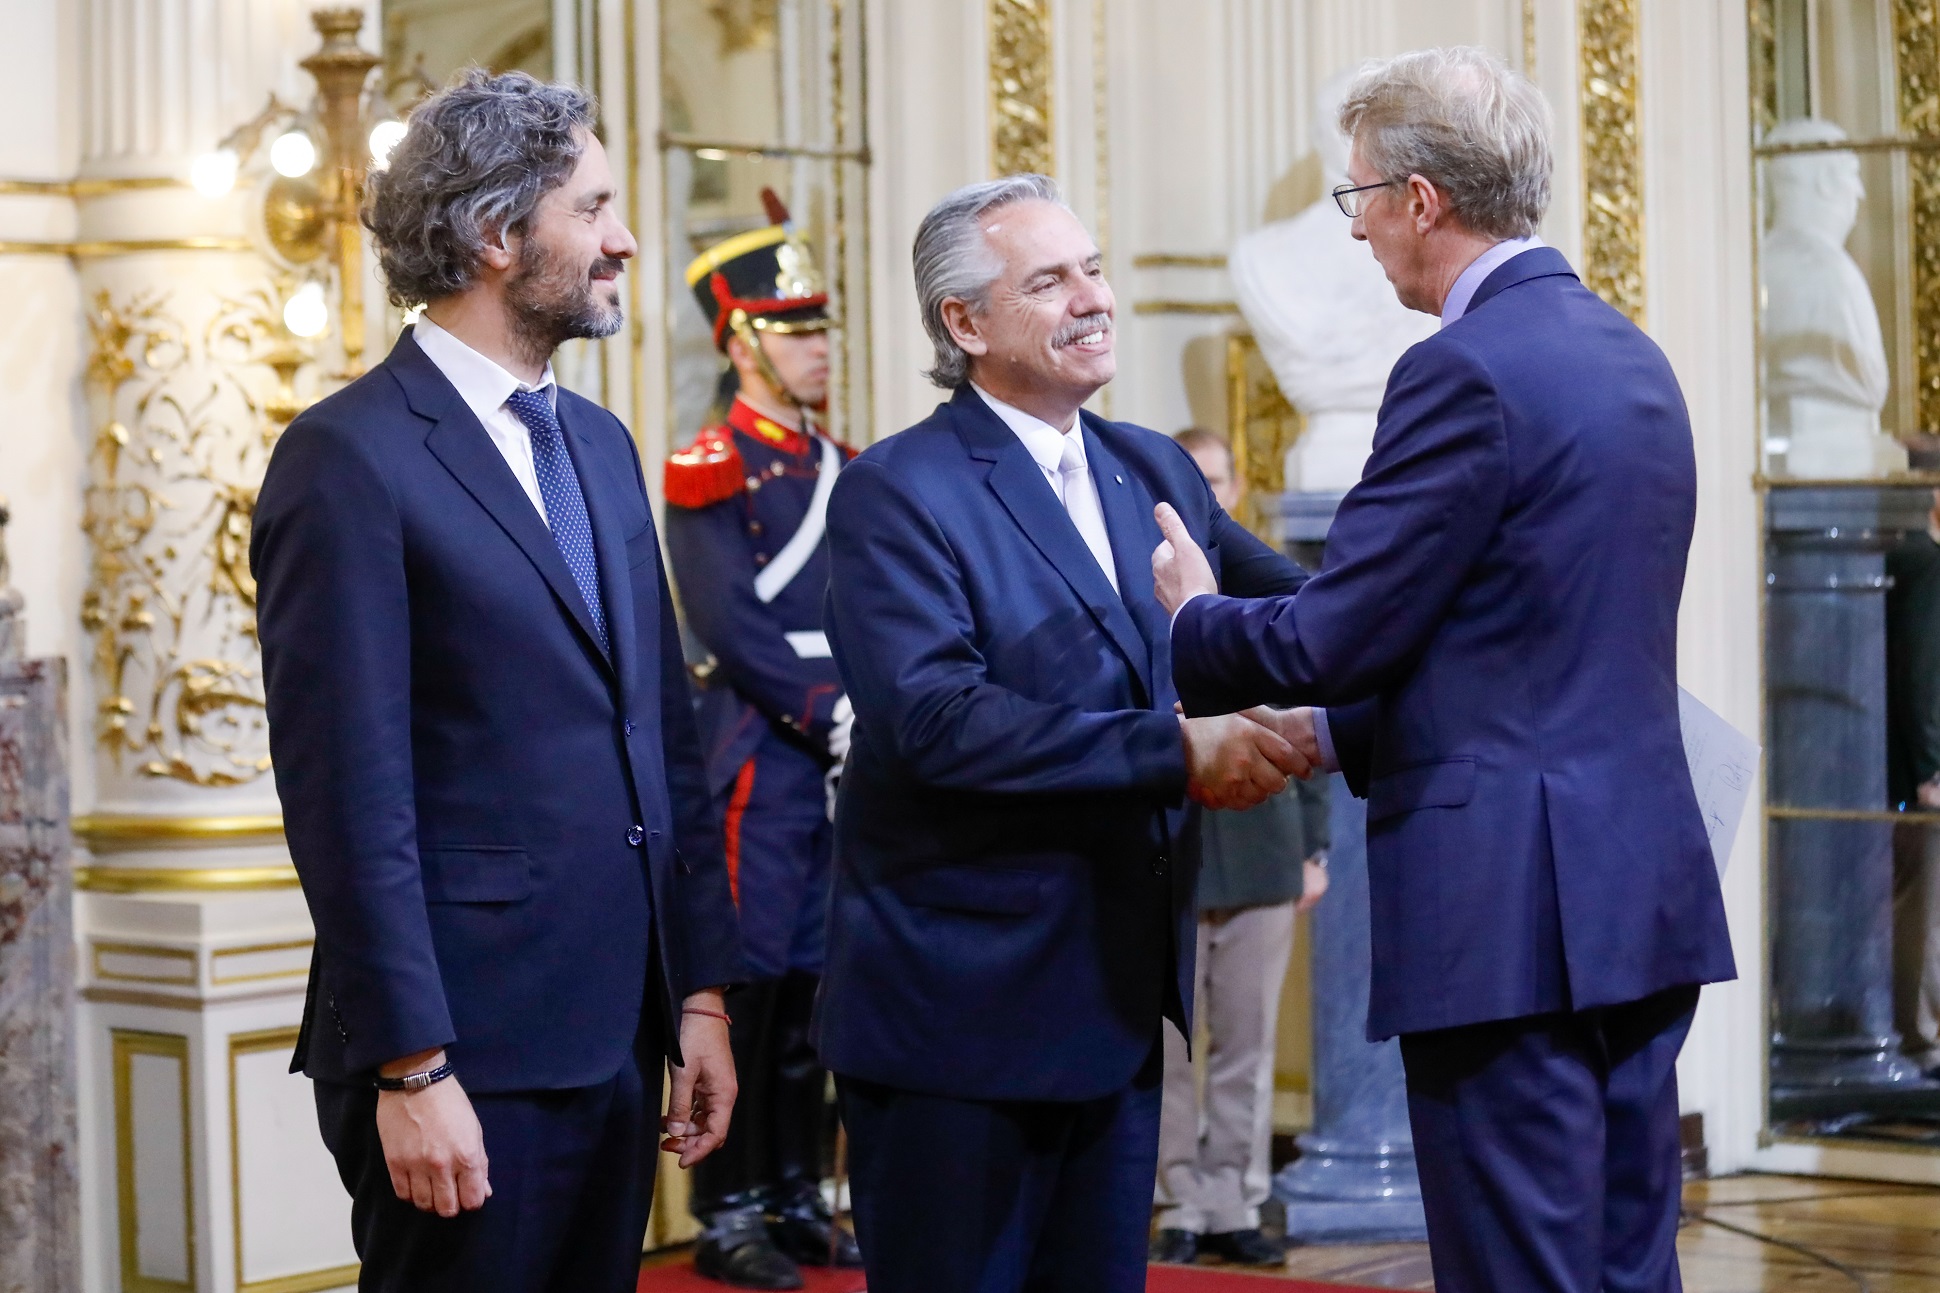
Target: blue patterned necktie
x,y
565,504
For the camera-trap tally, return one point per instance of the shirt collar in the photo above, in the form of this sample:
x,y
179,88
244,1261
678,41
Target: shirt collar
x,y
1045,442
1470,281
481,383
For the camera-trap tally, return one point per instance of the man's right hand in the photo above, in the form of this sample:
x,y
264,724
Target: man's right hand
x,y
432,1142
1233,762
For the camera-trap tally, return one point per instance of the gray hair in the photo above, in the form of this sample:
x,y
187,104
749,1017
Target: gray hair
x,y
1461,120
475,159
953,260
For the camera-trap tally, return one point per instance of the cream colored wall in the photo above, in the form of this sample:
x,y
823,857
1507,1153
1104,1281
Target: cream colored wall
x,y
1696,137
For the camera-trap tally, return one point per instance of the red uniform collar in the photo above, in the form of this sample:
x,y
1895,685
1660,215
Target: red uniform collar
x,y
743,418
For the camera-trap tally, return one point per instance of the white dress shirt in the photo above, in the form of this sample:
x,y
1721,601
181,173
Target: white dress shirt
x,y
1048,448
484,386
1470,280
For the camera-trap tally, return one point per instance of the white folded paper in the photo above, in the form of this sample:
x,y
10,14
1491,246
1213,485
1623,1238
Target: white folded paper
x,y
1723,761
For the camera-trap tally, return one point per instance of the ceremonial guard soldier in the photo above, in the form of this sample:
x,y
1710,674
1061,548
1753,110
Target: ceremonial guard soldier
x,y
744,530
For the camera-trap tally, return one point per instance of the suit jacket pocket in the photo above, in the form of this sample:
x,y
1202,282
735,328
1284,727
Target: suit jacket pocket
x,y
481,873
1448,783
641,548
983,890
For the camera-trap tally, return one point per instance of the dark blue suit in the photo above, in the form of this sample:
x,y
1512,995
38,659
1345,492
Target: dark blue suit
x,y
502,831
1015,861
1494,631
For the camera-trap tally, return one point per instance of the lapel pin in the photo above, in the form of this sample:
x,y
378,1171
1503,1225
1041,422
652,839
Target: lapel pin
x,y
1119,479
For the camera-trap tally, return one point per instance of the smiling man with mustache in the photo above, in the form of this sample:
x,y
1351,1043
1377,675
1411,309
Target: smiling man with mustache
x,y
484,740
1015,856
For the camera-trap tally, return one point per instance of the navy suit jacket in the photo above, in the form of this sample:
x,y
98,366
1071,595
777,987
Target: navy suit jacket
x,y
460,764
1498,614
1014,861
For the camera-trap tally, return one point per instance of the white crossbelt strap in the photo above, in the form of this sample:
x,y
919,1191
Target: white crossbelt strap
x,y
794,554
809,644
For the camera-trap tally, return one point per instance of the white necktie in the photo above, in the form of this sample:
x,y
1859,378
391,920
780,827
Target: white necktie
x,y
1081,503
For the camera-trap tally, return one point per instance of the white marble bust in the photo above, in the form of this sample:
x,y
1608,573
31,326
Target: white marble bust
x,y
1326,319
1825,363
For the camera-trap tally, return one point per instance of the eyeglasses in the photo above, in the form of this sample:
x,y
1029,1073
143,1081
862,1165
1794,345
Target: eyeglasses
x,y
1348,197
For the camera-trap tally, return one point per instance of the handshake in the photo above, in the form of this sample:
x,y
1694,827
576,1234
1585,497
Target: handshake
x,y
1239,760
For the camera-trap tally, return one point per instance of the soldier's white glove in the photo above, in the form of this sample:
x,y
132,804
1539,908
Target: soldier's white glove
x,y
844,719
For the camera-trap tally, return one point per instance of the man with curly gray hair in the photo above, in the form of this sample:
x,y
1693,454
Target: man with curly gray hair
x,y
491,782
1495,635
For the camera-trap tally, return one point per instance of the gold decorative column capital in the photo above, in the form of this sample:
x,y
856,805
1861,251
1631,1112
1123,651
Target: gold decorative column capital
x,y
1613,187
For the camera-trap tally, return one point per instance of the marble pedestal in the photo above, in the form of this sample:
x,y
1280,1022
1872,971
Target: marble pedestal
x,y
1354,1181
1834,1048
39,1194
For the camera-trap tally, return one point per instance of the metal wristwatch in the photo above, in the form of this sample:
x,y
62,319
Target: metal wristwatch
x,y
414,1081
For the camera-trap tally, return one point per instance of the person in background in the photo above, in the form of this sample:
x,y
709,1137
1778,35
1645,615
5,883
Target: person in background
x,y
1259,867
1913,782
745,508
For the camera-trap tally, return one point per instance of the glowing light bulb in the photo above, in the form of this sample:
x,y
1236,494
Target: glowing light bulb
x,y
384,136
307,314
292,154
214,174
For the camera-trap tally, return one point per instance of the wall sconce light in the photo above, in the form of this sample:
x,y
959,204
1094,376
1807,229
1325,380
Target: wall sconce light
x,y
317,158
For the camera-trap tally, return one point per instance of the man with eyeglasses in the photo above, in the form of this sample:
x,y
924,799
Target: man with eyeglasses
x,y
1494,633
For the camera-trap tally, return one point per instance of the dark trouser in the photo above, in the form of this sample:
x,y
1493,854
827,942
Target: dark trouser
x,y
572,1178
974,1196
773,1156
1548,1149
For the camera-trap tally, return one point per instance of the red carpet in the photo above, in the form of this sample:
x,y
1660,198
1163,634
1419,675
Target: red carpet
x,y
677,1276
1214,1279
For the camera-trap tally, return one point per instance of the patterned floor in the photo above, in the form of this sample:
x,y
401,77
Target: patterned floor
x,y
1887,1235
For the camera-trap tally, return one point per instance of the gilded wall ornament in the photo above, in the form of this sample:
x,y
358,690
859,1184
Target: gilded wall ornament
x,y
746,24
1020,87
1261,425
1762,22
1613,191
182,439
1916,39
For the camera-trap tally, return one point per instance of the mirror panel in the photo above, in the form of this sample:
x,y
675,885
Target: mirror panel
x,y
1852,571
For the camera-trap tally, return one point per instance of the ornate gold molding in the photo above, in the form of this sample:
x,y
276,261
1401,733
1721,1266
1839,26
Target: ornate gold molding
x,y
1020,87
281,1040
1529,39
170,602
1185,307
79,188
1762,27
168,879
1613,197
120,246
1916,40
1179,260
111,829
124,1046
221,978
181,957
1261,426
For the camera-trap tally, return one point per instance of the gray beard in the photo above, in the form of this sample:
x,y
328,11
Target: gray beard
x,y
551,305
